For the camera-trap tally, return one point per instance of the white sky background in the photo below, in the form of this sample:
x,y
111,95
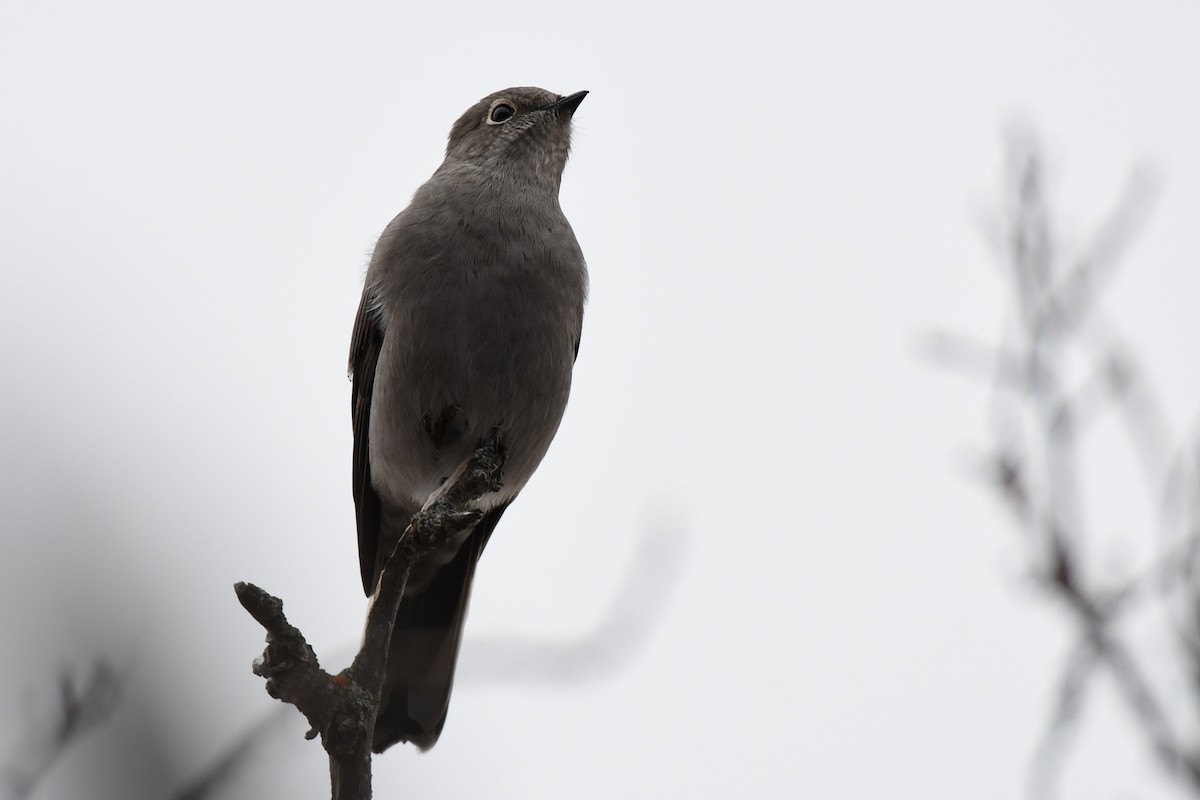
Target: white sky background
x,y
776,202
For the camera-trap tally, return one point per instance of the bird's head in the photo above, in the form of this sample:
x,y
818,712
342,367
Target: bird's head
x,y
522,132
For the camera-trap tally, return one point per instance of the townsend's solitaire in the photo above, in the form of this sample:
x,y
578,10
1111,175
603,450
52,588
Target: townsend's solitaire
x,y
470,320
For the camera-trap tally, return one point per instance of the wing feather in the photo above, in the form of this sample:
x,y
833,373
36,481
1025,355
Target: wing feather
x,y
364,354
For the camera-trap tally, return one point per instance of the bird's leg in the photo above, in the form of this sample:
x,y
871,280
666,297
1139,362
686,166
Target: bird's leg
x,y
493,441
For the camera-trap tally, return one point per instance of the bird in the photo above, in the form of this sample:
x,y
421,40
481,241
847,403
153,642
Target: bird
x,y
469,326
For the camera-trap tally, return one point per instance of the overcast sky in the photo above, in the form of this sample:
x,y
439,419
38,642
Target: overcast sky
x,y
777,202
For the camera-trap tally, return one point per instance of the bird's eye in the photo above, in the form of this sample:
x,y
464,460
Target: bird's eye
x,y
500,113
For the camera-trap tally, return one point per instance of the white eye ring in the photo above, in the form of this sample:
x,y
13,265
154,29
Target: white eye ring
x,y
500,112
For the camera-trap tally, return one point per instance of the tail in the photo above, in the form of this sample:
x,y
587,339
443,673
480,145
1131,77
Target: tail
x,y
424,649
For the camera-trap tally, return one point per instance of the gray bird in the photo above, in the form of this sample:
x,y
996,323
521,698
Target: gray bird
x,y
470,320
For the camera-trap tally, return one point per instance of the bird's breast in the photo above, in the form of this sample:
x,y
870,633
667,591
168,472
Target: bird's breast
x,y
481,329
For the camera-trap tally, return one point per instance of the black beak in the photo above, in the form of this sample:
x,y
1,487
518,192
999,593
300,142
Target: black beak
x,y
570,102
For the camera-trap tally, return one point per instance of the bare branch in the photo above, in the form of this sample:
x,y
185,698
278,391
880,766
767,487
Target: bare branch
x,y
342,708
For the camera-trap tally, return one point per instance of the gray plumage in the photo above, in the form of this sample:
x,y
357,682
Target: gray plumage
x,y
470,319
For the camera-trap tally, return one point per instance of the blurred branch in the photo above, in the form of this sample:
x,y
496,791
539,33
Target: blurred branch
x,y
219,778
1040,417
342,708
623,630
83,704
1079,289
1067,709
